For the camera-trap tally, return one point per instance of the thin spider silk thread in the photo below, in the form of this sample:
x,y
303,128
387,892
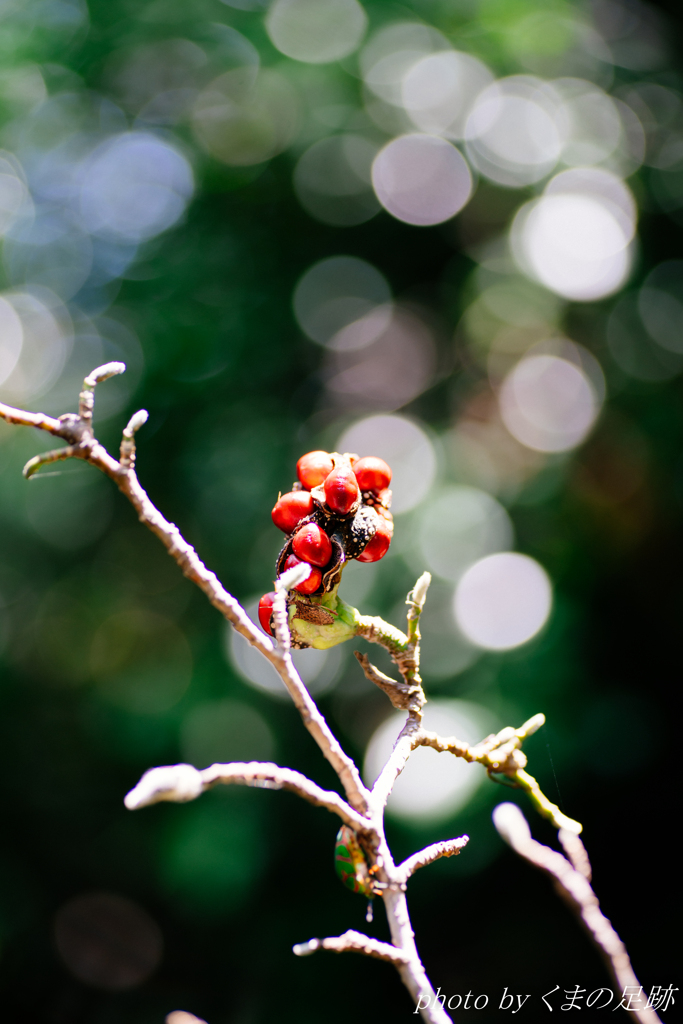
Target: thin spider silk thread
x,y
552,765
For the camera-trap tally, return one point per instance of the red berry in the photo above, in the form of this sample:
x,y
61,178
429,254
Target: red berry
x,y
311,544
341,490
372,474
290,509
379,545
310,585
313,468
265,610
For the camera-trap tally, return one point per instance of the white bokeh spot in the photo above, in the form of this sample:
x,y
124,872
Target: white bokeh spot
x,y
503,600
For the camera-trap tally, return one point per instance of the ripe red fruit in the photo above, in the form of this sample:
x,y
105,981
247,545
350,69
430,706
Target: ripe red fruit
x,y
310,585
265,610
341,490
290,509
372,474
379,545
311,544
313,468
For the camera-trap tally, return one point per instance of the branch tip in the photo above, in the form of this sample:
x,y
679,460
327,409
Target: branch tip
x,y
137,420
58,454
418,594
447,848
177,783
102,373
293,577
511,825
354,942
530,727
306,948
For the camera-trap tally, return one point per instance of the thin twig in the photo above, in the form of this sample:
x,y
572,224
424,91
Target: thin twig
x,y
403,648
353,942
76,429
56,455
576,852
575,889
182,782
400,694
408,739
501,754
127,449
448,848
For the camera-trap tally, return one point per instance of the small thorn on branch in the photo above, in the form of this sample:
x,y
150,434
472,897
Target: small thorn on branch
x,y
127,450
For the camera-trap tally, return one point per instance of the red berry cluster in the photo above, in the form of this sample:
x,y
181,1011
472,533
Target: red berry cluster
x,y
338,509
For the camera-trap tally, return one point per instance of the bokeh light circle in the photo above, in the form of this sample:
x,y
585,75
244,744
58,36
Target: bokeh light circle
x,y
108,941
432,786
316,31
407,449
332,180
503,600
134,186
576,239
342,302
548,403
244,117
514,136
439,90
460,526
421,179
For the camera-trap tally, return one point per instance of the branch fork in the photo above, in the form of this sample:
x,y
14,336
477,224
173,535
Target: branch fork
x,y
571,876
361,809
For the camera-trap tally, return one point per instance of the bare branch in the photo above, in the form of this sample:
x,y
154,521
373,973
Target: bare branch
x,y
576,852
86,399
179,783
399,693
404,649
77,431
102,373
575,889
21,418
56,455
448,848
127,449
405,652
353,942
501,754
408,739
544,806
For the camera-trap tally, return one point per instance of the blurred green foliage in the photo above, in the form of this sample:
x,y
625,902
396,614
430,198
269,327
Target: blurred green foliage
x,y
112,662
